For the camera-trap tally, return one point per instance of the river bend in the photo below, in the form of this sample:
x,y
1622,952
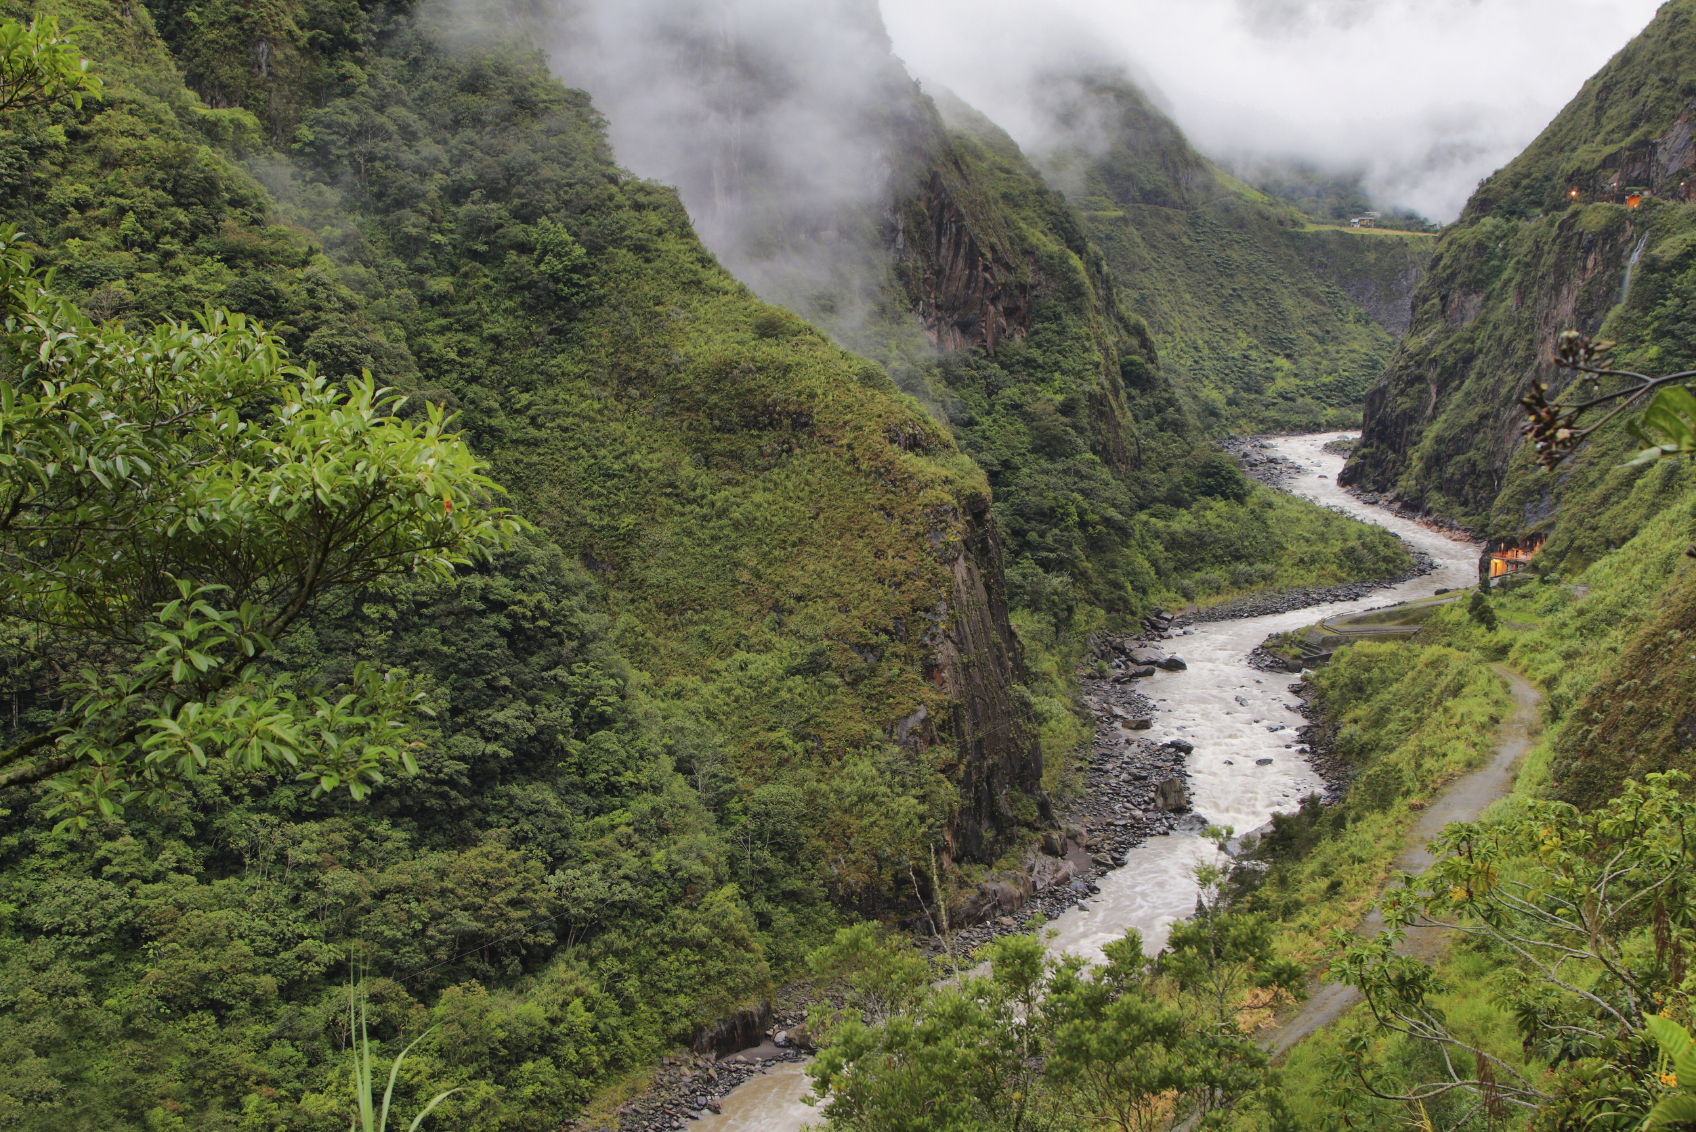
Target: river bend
x,y
1234,716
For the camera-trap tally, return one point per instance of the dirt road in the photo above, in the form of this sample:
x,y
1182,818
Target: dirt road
x,y
1465,800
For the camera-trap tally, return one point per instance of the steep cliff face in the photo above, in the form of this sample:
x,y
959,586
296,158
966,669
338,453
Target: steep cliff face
x,y
1588,229
963,295
986,253
1262,322
988,748
823,178
1442,425
1378,271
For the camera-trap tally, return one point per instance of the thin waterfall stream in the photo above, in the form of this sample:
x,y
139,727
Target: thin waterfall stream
x,y
1234,716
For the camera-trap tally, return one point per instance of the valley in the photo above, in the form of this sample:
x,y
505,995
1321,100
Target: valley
x,y
1246,765
617,563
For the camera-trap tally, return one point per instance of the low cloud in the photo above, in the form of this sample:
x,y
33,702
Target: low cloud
x,y
1425,97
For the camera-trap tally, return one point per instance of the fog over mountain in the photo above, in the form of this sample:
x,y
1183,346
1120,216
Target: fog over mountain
x,y
1425,97
772,117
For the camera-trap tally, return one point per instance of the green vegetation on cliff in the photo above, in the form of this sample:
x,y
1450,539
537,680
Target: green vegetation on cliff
x,y
651,781
1025,343
1328,199
753,665
1264,325
1550,243
1553,242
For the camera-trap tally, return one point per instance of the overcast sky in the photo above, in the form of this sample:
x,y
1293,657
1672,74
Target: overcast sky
x,y
1427,96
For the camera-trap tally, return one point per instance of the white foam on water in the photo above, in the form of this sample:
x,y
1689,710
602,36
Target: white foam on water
x,y
1156,886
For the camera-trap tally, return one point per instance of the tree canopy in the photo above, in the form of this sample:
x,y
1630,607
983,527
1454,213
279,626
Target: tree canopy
x,y
171,503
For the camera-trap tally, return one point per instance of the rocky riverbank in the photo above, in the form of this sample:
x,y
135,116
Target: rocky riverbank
x,y
1260,604
1319,736
1132,789
687,1086
1260,462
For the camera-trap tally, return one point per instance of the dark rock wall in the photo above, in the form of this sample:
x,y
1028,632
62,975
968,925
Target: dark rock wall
x,y
1442,425
966,296
996,761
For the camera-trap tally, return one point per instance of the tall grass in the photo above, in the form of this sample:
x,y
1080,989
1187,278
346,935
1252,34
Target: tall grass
x,y
370,1118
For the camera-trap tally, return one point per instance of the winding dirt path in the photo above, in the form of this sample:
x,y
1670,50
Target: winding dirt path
x,y
1465,800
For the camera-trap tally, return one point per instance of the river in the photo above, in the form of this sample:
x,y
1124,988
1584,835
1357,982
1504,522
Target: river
x,y
1234,716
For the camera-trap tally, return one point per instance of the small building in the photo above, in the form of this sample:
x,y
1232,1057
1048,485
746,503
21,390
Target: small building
x,y
1511,559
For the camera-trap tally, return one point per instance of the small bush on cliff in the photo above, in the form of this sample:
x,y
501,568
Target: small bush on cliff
x,y
1478,608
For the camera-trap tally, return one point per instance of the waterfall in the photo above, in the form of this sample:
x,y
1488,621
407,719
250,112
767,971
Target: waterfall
x,y
1630,265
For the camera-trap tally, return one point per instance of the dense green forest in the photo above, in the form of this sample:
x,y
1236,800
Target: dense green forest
x,y
662,761
775,647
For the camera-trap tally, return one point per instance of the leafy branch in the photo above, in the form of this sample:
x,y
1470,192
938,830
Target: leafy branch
x,y
1667,427
39,65
181,499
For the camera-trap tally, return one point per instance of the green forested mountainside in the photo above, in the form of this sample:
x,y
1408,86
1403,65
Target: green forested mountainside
x,y
1325,198
1547,244
753,665
461,213
769,535
1103,487
1265,325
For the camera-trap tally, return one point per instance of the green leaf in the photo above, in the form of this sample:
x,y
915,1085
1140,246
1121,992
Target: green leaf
x,y
1677,1109
1667,427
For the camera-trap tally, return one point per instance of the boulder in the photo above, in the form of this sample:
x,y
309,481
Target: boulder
x,y
1174,663
1170,795
1051,871
1182,746
1146,656
1142,671
739,1031
1138,724
1054,844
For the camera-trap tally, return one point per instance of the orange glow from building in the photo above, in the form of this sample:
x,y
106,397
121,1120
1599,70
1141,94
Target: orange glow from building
x,y
1509,559
1632,200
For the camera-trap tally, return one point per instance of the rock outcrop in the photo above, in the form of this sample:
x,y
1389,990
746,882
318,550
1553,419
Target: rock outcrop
x,y
964,295
996,760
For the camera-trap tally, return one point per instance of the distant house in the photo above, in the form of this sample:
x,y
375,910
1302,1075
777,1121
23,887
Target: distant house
x,y
1364,221
1509,559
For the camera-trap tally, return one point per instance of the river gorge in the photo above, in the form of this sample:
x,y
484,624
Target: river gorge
x,y
1236,718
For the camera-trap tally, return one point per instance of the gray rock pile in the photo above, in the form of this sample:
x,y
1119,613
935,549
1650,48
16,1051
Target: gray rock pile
x,y
1319,737
1260,462
687,1086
